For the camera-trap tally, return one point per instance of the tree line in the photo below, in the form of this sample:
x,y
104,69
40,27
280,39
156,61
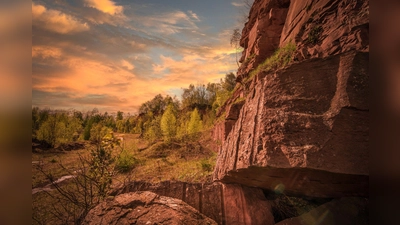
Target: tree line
x,y
163,117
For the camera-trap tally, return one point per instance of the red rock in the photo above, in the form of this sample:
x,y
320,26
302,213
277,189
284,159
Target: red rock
x,y
305,127
224,203
145,208
345,211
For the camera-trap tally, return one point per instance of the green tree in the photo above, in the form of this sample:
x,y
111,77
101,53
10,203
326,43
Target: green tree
x,y
195,124
101,160
48,130
229,82
168,123
98,132
152,129
120,115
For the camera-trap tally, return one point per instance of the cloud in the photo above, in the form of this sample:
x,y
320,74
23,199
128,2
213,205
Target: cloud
x,y
56,21
170,22
238,4
193,15
105,6
46,52
127,64
123,60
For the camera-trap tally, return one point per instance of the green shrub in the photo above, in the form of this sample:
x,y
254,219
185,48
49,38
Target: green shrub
x,y
125,162
206,166
282,57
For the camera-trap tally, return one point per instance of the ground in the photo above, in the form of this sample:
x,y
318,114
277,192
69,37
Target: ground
x,y
191,161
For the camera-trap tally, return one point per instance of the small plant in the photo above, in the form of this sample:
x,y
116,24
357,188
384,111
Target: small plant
x,y
282,57
206,166
125,162
314,34
53,160
249,58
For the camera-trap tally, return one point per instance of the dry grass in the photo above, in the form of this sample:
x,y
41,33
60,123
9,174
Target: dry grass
x,y
190,161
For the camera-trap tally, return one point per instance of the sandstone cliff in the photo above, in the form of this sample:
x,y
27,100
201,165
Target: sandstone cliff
x,y
302,129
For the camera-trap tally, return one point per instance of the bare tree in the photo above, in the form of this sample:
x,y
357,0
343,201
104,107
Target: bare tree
x,y
235,42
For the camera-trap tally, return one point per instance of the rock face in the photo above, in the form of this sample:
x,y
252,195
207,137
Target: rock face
x,y
303,129
345,211
145,208
224,203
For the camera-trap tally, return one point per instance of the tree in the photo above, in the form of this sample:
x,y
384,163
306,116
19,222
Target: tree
x,y
48,130
195,97
120,115
195,124
229,82
168,123
235,40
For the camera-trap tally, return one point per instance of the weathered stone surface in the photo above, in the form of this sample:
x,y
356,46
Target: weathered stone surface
x,y
304,127
345,211
244,205
317,28
224,203
342,25
262,33
145,208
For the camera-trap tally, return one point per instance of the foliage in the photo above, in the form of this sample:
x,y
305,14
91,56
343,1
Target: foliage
x,y
98,132
101,159
158,104
87,186
282,57
168,123
229,82
47,131
58,129
206,166
125,162
195,97
152,129
195,124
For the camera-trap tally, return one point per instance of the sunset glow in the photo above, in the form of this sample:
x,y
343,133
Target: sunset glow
x,y
115,55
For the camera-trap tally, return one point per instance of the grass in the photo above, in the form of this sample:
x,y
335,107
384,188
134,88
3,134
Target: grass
x,y
191,160
282,57
249,58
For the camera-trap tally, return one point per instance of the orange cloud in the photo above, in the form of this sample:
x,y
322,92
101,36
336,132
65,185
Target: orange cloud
x,y
127,64
46,52
201,67
56,21
105,6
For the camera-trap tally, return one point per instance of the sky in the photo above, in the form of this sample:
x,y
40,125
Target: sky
x,y
116,54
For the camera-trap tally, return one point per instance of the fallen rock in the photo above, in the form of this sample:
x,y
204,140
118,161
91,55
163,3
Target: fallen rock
x,y
224,203
344,211
145,208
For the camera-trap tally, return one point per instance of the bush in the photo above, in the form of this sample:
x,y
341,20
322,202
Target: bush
x,y
125,162
282,57
206,166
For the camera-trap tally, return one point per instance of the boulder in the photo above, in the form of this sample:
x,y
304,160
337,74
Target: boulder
x,y
224,203
145,208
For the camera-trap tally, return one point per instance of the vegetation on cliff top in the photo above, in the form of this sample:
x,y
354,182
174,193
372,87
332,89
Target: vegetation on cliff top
x,y
282,57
